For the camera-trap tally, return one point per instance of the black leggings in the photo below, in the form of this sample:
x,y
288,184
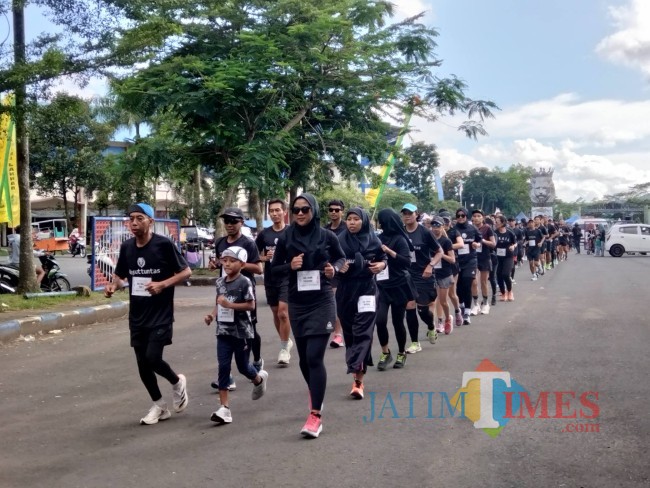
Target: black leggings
x,y
150,363
493,274
397,316
464,290
504,268
311,352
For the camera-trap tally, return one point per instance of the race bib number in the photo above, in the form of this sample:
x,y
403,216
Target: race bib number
x,y
479,248
383,274
501,251
438,265
412,254
366,303
308,280
225,314
532,242
139,289
463,250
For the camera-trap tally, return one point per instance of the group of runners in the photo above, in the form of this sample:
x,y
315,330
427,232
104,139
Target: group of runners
x,y
331,286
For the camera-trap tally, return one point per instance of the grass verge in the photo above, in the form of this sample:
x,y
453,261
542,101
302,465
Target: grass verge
x,y
13,303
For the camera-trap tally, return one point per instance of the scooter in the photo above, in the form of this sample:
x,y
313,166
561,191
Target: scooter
x,y
54,279
77,247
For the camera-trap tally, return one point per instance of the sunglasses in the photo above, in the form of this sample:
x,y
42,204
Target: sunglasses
x,y
302,210
461,216
407,212
335,210
228,221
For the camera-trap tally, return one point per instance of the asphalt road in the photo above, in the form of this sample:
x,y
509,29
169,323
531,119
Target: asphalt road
x,y
71,402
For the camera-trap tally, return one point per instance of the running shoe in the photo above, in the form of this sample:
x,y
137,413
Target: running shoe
x,y
514,282
385,358
284,357
485,308
179,393
400,361
440,328
494,300
449,326
357,390
222,416
511,296
459,319
313,427
337,341
413,348
259,390
503,296
475,309
232,386
432,335
155,414
466,319
258,365
534,277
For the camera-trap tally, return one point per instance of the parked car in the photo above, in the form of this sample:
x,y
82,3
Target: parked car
x,y
628,238
196,235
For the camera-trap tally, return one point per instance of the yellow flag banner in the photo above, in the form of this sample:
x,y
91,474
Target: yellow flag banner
x,y
9,196
373,197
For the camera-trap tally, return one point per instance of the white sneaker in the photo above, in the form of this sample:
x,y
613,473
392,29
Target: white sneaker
x,y
284,357
534,278
155,414
485,308
413,348
179,392
259,390
222,416
475,309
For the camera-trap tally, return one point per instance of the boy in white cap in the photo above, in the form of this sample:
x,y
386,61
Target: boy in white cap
x,y
234,304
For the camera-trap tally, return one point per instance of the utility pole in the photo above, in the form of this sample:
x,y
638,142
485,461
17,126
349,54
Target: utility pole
x,y
27,270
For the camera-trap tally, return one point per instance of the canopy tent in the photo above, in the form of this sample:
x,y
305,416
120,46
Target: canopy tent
x,y
572,219
521,216
252,223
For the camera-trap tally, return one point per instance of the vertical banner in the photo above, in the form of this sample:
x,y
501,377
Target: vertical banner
x,y
373,197
9,197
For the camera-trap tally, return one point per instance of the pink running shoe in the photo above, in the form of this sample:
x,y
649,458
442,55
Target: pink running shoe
x,y
449,326
313,427
459,319
440,328
337,341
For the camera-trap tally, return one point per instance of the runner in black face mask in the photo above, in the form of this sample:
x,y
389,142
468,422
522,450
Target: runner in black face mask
x,y
467,260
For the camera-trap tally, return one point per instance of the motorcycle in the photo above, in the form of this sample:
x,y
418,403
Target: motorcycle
x,y
54,279
76,247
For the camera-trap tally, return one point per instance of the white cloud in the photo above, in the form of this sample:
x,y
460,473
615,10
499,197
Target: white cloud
x,y
93,88
409,8
630,44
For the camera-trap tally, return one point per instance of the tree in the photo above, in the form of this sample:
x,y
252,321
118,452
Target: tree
x,y
66,148
415,172
451,183
395,198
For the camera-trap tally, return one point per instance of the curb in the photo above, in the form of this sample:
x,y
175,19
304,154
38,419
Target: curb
x,y
46,322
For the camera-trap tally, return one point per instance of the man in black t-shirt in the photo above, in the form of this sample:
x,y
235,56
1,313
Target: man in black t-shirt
x,y
153,265
277,288
233,219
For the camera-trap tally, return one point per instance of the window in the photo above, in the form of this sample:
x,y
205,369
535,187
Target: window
x,y
645,230
630,229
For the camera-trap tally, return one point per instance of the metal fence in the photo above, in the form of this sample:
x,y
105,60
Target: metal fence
x,y
108,234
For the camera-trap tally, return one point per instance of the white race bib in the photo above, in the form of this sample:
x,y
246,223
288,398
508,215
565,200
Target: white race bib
x,y
501,251
412,254
225,314
308,280
138,285
463,250
366,303
479,248
532,242
438,265
383,274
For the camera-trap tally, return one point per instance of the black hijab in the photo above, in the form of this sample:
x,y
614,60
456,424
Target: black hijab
x,y
364,245
392,227
306,238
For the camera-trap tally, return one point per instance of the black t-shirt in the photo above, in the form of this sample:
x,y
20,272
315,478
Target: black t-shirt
x,y
425,246
467,253
230,322
157,260
445,268
485,251
244,242
340,229
504,241
551,230
397,268
266,241
533,237
544,231
519,234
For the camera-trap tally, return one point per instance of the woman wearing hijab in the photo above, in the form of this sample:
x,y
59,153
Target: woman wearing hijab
x,y
506,245
356,295
311,256
396,288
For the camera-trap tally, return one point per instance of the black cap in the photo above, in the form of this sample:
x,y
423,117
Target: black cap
x,y
437,222
477,211
233,212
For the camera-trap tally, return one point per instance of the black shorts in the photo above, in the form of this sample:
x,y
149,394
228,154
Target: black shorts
x,y
549,246
564,241
276,294
485,264
533,253
426,291
142,336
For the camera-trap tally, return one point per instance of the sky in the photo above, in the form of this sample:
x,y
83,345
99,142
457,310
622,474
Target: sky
x,y
572,80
